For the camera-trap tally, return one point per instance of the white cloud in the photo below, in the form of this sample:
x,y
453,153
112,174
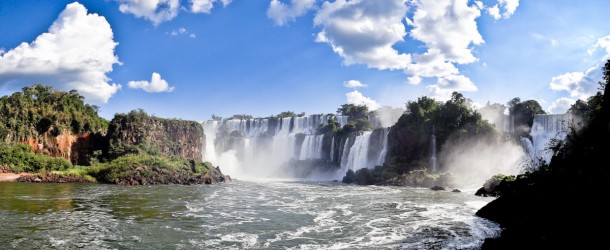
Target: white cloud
x,y
494,12
479,4
156,11
578,84
353,84
282,13
503,9
449,30
356,98
561,105
76,53
446,85
509,6
431,64
449,27
205,6
603,43
554,42
363,32
181,31
156,84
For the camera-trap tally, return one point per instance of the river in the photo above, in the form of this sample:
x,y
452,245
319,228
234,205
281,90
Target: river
x,y
239,215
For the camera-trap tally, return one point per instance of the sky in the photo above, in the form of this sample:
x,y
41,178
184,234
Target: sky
x,y
190,59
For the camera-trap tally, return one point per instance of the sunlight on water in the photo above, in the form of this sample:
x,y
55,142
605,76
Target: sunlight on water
x,y
240,215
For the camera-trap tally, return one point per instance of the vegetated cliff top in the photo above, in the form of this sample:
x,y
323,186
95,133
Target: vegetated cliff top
x,y
40,110
169,137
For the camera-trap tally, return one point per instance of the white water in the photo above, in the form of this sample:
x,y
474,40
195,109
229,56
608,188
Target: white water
x,y
544,129
261,147
239,215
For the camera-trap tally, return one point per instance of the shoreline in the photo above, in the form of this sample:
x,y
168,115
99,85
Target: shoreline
x,y
11,177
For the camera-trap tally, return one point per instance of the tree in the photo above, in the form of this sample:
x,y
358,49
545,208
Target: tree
x,y
354,112
523,112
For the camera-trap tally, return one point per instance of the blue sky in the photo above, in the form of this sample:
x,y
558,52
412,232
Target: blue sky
x,y
183,59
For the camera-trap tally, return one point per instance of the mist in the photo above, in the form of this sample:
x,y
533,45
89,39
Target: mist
x,y
388,116
472,162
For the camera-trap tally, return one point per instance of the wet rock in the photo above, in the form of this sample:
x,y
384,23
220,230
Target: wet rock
x,y
437,188
456,191
52,178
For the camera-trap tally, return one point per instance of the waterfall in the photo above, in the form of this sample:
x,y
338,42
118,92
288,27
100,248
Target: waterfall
x,y
275,147
384,144
312,147
433,151
508,124
342,120
357,157
210,150
332,149
546,128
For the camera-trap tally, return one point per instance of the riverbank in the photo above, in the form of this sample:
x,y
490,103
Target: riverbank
x,y
11,177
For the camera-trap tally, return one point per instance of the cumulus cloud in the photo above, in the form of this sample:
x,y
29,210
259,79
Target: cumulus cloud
x,y
431,64
448,27
449,30
205,6
363,32
156,84
356,98
77,52
503,9
561,105
494,11
578,84
446,85
603,43
353,84
156,11
282,13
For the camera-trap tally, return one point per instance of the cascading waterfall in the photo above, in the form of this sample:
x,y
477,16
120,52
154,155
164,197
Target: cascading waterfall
x,y
433,151
357,157
544,129
508,124
262,147
332,149
210,149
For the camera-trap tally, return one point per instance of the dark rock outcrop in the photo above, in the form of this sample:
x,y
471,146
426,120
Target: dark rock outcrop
x,y
560,205
495,186
53,178
437,188
168,137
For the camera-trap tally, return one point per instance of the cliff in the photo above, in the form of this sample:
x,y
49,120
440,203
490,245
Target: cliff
x,y
168,137
454,122
53,123
559,206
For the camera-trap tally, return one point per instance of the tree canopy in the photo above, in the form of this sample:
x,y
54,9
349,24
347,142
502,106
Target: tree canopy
x,y
41,109
523,112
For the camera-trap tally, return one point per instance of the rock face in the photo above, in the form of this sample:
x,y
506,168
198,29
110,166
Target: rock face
x,y
77,148
406,143
52,178
168,137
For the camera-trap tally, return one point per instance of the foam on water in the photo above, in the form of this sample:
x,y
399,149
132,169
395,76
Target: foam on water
x,y
247,215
